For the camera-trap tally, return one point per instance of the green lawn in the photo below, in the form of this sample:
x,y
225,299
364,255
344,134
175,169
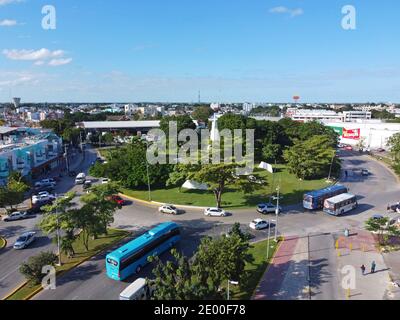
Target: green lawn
x,y
95,246
255,270
292,190
2,243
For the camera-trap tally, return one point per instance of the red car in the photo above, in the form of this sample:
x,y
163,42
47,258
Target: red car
x,y
349,148
118,200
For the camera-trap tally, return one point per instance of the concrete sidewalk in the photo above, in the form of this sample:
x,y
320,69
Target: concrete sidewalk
x,y
287,276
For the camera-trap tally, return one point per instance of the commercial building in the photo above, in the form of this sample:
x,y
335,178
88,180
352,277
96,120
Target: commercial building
x,y
373,134
306,115
28,151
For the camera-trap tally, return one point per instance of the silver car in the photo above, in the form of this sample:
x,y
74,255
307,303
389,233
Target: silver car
x,y
24,240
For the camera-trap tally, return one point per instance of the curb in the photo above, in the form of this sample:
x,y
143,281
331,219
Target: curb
x,y
15,290
386,166
156,204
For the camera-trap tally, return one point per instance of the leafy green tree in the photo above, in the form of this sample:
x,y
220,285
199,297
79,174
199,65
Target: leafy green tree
x,y
72,135
202,113
394,144
272,152
101,207
183,122
312,158
32,270
218,177
311,129
57,217
14,192
233,122
108,138
203,277
383,229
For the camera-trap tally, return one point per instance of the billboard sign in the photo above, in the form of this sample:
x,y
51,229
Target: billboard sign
x,y
354,134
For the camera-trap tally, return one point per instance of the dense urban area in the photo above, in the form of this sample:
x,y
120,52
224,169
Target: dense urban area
x,y
78,195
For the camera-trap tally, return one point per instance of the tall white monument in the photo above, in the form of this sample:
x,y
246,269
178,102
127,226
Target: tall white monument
x,y
214,135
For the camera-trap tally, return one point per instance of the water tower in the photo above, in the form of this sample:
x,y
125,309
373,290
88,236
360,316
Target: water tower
x,y
16,102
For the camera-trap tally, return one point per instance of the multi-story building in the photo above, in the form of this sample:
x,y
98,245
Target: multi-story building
x,y
28,151
306,115
248,107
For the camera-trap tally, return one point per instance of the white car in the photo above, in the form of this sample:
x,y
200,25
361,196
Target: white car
x,y
214,212
24,240
105,181
42,198
259,224
15,216
168,209
266,208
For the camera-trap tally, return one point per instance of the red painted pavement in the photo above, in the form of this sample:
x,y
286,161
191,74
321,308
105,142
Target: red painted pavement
x,y
272,280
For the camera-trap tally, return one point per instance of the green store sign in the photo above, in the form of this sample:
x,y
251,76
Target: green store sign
x,y
338,130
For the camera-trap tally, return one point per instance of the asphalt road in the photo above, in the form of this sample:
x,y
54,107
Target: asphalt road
x,y
375,192
10,259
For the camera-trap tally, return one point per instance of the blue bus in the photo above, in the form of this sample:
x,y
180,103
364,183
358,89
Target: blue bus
x,y
314,200
132,257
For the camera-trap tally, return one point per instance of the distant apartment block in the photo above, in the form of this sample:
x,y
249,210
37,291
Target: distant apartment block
x,y
28,151
248,107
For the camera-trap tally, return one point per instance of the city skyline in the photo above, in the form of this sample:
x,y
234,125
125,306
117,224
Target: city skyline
x,y
231,52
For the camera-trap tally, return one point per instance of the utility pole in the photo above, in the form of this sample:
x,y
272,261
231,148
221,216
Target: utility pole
x,y
277,211
66,157
148,174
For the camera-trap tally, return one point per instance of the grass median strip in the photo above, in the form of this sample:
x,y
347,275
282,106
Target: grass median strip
x,y
254,271
81,255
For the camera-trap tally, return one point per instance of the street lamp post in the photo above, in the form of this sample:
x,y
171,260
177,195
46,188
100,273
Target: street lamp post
x,y
277,198
148,174
58,239
330,170
235,283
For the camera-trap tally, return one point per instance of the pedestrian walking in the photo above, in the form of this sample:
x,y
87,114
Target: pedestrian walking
x,y
373,267
363,270
346,173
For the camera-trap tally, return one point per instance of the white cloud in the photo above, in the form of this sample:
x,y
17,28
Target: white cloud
x,y
16,78
285,10
5,2
32,55
8,23
59,62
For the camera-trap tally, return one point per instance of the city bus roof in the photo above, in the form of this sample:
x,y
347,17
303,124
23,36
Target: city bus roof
x,y
142,240
321,192
341,197
133,288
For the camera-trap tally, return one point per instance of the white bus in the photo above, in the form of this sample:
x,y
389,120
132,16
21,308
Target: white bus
x,y
139,290
340,204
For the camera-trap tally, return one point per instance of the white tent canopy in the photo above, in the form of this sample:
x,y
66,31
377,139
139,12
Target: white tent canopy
x,y
266,166
193,185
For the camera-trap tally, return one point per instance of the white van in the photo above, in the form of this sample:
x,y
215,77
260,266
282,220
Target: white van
x,y
80,178
139,290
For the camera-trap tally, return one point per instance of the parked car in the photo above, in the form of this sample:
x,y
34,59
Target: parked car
x,y
45,183
87,185
15,216
105,181
377,217
168,209
42,197
80,178
24,240
380,150
117,199
259,224
265,208
365,172
348,148
214,212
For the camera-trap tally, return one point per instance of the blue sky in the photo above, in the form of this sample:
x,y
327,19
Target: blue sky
x,y
231,50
